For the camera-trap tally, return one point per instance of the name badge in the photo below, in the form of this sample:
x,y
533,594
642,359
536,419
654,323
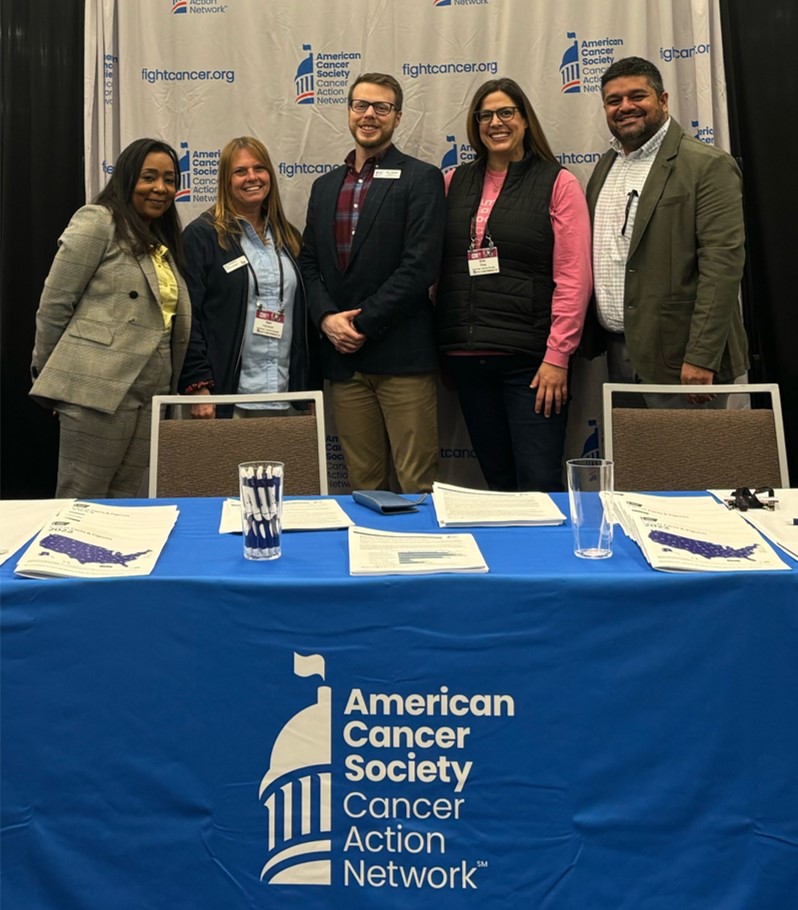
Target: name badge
x,y
235,264
381,173
483,262
268,324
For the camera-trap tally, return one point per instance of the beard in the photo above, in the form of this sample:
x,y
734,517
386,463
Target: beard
x,y
636,132
381,136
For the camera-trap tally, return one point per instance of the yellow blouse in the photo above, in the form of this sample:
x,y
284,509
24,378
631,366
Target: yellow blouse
x,y
167,284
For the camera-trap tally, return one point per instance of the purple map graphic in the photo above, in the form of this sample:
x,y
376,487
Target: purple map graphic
x,y
87,552
704,548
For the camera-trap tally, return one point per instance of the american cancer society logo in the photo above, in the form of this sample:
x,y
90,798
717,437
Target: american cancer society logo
x,y
456,153
704,133
323,78
389,804
206,7
296,791
584,62
198,169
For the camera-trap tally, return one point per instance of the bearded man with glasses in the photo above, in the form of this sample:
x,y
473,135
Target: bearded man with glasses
x,y
370,252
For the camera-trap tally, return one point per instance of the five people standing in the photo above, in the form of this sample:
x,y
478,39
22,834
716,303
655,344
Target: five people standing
x,y
508,240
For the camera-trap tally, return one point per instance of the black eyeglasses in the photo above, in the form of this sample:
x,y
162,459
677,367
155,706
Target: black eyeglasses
x,y
381,108
504,114
744,499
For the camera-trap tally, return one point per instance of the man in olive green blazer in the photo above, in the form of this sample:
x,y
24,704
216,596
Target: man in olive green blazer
x,y
668,242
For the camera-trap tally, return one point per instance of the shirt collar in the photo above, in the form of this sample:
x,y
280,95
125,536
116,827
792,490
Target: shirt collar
x,y
371,162
647,150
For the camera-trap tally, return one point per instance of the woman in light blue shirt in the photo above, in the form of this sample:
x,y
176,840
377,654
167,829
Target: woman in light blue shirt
x,y
250,329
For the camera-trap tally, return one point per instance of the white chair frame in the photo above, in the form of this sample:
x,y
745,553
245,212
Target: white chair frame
x,y
161,402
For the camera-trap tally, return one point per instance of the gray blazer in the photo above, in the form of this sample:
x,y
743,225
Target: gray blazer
x,y
99,319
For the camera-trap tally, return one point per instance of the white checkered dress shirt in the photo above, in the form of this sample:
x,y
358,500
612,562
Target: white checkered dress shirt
x,y
610,247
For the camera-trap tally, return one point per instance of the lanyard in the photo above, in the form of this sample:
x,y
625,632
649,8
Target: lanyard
x,y
255,279
487,236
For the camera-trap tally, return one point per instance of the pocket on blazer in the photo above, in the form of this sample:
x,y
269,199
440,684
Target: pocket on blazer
x,y
89,330
674,200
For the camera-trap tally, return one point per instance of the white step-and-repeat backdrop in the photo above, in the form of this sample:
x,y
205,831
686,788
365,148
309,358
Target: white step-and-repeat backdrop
x,y
198,72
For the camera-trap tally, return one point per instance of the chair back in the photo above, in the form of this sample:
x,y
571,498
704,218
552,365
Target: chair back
x,y
694,449
201,457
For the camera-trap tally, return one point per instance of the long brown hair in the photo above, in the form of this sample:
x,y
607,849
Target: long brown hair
x,y
226,220
535,142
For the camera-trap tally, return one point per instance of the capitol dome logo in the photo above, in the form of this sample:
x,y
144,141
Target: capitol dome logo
x,y
296,790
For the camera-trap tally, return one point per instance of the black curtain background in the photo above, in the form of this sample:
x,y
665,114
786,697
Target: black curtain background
x,y
759,42
41,185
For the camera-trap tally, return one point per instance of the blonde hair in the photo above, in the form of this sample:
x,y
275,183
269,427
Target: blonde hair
x,y
226,219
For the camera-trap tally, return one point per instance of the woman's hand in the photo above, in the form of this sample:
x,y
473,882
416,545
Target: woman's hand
x,y
551,383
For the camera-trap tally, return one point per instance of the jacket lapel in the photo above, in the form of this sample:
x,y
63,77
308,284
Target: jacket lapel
x,y
375,197
597,181
145,263
327,205
655,183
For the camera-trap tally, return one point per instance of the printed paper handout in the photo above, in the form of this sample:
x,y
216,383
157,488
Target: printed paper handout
x,y
89,540
392,553
298,515
692,534
20,519
462,507
780,525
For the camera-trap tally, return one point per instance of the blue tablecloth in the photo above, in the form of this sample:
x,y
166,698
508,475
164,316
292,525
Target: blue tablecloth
x,y
557,734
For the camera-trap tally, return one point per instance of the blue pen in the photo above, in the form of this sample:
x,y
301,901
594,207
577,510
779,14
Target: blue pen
x,y
261,489
250,533
262,515
254,512
274,507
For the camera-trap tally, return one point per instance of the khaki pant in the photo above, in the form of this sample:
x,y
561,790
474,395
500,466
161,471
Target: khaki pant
x,y
380,418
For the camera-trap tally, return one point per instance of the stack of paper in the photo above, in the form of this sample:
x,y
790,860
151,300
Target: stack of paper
x,y
692,534
99,541
20,519
390,553
461,507
298,515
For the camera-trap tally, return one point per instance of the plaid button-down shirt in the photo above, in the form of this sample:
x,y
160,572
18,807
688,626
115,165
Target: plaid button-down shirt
x,y
613,226
350,202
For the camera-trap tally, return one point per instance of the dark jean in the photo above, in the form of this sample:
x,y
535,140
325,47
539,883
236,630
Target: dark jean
x,y
517,448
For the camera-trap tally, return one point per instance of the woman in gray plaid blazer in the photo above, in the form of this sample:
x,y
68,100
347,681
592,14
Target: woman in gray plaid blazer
x,y
113,324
